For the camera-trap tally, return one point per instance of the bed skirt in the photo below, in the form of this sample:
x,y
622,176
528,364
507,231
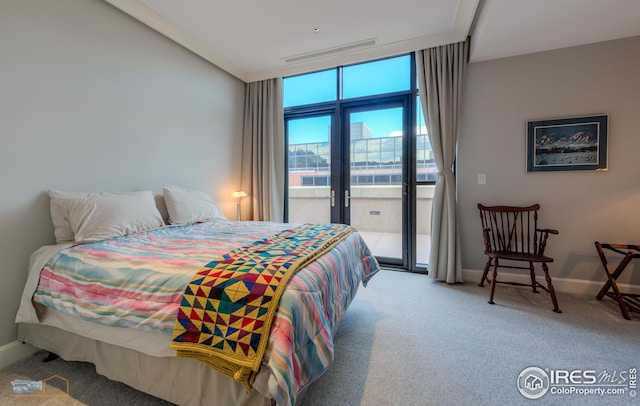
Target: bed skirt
x,y
182,381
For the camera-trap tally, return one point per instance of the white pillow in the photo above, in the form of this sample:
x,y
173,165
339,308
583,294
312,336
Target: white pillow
x,y
99,216
187,206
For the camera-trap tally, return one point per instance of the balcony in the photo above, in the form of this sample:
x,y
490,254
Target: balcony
x,y
376,178
376,212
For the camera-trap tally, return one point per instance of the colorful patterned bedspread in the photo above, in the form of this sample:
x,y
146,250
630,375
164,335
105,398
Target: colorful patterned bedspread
x,y
227,309
138,281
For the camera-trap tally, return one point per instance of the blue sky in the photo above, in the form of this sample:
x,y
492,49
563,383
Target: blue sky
x,y
380,122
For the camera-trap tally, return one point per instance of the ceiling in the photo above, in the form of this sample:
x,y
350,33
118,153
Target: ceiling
x,y
260,39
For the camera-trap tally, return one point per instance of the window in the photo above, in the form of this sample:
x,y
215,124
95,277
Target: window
x,y
364,79
310,88
358,153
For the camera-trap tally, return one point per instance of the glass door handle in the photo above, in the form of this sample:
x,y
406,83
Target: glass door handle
x,y
333,198
347,197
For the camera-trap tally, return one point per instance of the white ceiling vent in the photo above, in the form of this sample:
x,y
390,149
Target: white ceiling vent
x,y
331,51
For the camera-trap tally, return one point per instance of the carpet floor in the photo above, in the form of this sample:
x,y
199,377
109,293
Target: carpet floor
x,y
407,340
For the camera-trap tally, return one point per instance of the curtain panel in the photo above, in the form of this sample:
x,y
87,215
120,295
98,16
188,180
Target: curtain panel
x,y
263,158
441,72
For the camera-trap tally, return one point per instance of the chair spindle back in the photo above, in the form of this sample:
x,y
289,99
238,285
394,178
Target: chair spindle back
x,y
510,229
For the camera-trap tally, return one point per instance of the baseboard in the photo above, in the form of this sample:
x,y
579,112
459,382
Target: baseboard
x,y
14,352
565,285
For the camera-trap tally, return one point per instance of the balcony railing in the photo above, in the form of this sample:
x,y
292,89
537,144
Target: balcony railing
x,y
376,211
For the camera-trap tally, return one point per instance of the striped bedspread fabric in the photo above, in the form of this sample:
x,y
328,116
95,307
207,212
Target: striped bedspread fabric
x,y
137,282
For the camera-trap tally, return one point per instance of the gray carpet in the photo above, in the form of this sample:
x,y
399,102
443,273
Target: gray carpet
x,y
407,340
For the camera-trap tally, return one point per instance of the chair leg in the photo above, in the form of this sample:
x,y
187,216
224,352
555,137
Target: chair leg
x,y
493,280
532,272
552,292
484,274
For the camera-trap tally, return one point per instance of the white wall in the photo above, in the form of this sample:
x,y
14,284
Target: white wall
x,y
500,96
91,100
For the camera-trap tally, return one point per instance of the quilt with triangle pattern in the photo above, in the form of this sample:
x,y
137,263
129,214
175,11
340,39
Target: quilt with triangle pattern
x,y
226,311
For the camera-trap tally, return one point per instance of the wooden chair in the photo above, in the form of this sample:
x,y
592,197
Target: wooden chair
x,y
512,234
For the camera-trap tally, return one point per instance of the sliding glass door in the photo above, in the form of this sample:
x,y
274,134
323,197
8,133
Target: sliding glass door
x,y
352,176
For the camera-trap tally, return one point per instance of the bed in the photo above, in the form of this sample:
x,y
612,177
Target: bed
x,y
113,302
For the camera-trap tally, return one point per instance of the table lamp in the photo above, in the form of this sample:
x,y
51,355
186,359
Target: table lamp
x,y
240,194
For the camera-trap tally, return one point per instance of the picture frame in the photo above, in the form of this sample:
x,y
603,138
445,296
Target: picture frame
x,y
567,144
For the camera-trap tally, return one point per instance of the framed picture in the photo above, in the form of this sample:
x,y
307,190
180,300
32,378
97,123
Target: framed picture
x,y
568,144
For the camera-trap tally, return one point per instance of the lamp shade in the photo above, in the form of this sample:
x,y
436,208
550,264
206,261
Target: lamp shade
x,y
239,194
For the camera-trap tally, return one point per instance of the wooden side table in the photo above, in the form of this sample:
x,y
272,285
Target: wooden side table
x,y
626,301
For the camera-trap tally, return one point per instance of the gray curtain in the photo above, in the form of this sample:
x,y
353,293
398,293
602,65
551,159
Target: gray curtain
x,y
263,151
441,73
